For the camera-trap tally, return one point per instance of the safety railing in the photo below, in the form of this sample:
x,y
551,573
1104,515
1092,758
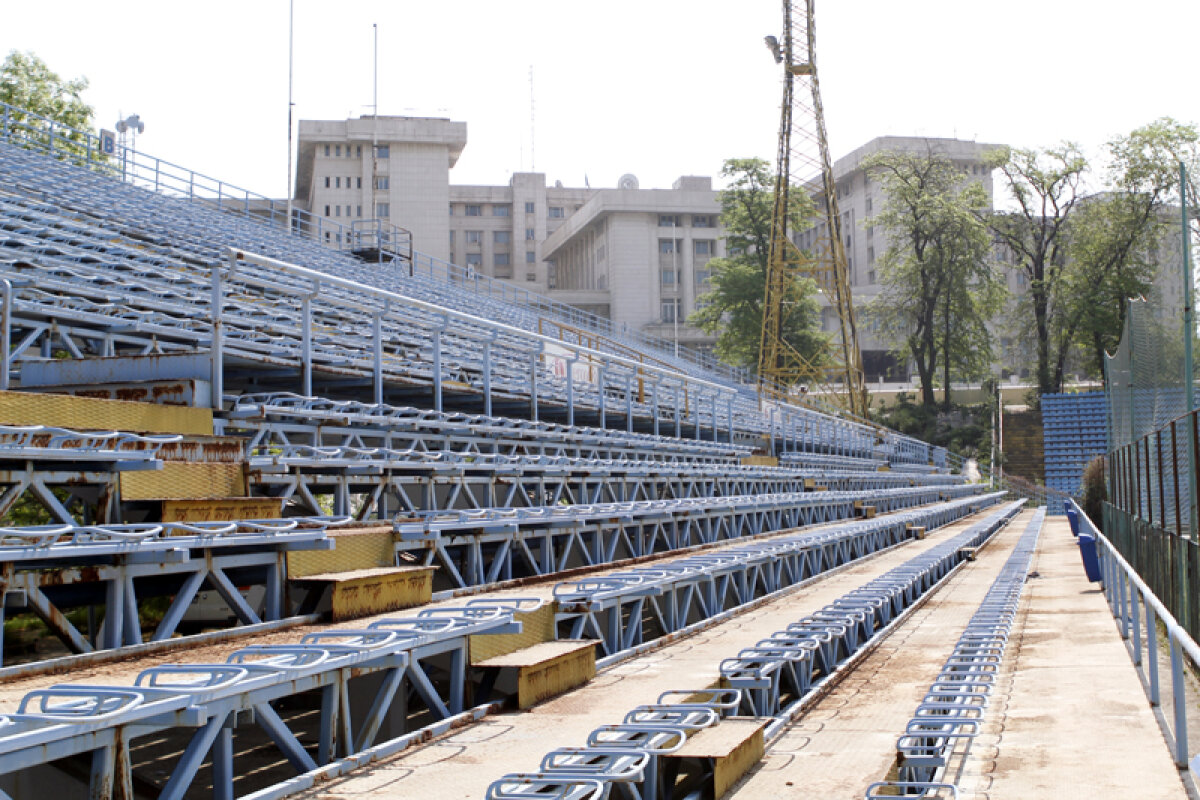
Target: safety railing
x,y
1144,621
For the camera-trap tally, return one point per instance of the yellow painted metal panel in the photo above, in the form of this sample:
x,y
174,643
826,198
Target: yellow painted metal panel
x,y
360,593
548,669
90,413
536,627
363,548
760,461
181,480
735,746
223,509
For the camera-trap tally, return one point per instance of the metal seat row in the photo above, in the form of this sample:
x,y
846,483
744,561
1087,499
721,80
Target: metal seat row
x,y
952,712
785,667
69,719
626,754
624,609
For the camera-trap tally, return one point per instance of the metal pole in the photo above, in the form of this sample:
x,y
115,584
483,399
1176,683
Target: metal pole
x,y
487,378
291,43
1183,612
306,345
677,306
218,333
5,334
1189,331
377,335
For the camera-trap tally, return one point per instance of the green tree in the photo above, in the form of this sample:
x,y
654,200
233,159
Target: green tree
x,y
1115,236
34,90
733,306
937,286
1045,188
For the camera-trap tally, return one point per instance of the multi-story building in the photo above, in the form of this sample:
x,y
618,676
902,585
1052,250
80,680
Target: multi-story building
x,y
387,168
637,256
860,198
499,230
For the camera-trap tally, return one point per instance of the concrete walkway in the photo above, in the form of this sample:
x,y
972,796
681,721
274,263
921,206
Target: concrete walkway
x,y
1071,718
461,766
847,741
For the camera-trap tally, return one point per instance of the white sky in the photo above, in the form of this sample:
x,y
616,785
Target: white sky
x,y
659,88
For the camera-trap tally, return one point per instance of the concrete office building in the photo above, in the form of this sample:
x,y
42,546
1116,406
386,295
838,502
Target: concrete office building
x,y
388,168
637,256
859,199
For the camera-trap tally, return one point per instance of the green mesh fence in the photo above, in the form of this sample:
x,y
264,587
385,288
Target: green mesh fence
x,y
1146,380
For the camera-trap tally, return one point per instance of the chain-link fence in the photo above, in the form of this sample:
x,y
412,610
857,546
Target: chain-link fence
x,y
1151,437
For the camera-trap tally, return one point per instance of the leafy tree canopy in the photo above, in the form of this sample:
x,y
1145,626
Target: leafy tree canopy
x,y
29,84
733,306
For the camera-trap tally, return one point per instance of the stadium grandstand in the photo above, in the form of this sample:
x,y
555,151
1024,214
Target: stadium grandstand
x,y
292,510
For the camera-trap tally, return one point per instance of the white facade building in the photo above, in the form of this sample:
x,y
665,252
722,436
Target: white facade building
x,y
636,256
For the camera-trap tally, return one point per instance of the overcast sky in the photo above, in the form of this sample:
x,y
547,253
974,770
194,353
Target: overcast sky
x,y
657,88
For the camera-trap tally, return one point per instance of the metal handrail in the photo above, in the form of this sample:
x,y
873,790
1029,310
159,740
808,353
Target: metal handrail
x,y
1125,592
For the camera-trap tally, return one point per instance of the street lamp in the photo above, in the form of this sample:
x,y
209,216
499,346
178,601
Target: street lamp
x,y
130,125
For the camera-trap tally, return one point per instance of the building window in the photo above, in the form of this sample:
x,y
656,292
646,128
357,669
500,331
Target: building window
x,y
337,150
327,211
502,237
359,150
499,211
530,234
382,183
869,205
360,180
474,237
327,151
337,182
358,211
703,247
531,277
326,181
870,231
383,151
702,221
702,276
474,211
668,277
337,211
666,246
452,209
474,259
530,208
501,260
871,256
671,310
530,257
668,221
348,210
383,210
556,212
871,276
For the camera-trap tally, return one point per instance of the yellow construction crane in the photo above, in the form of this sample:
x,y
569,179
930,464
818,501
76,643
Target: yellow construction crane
x,y
804,162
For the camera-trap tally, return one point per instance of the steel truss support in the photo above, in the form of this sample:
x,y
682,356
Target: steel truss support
x,y
628,608
257,693
495,545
